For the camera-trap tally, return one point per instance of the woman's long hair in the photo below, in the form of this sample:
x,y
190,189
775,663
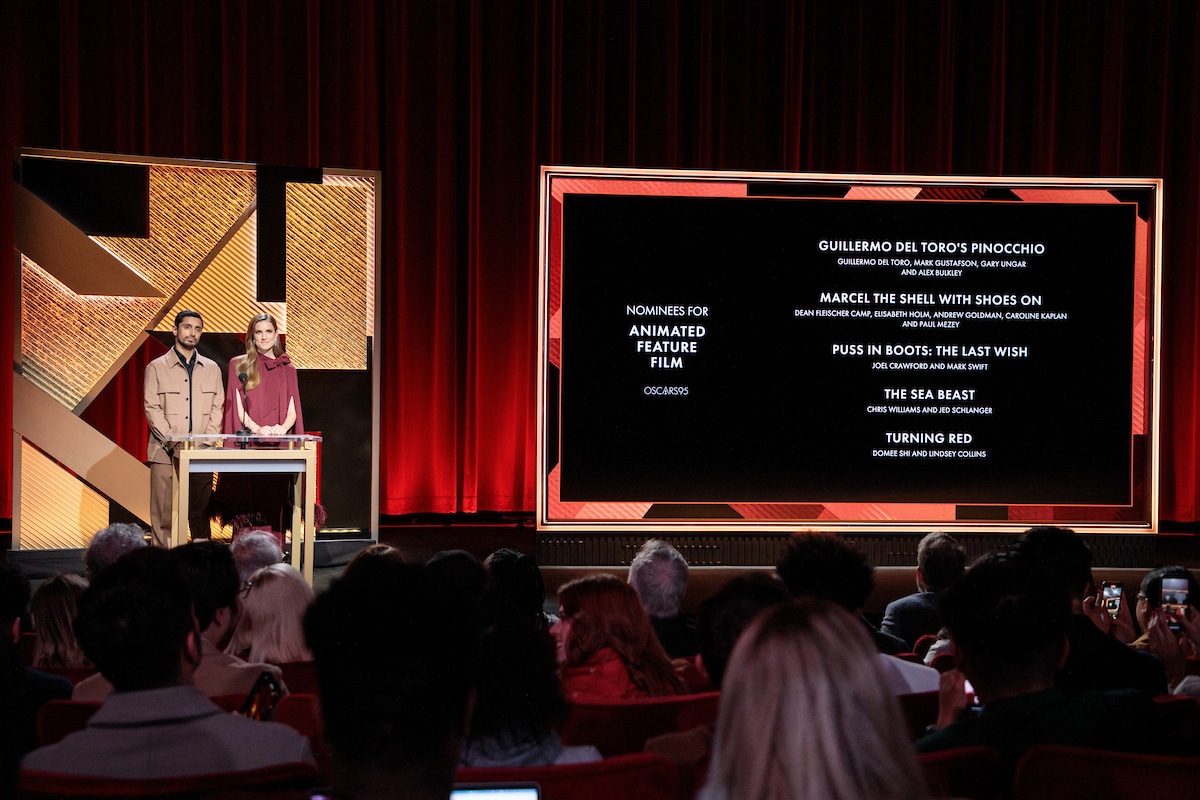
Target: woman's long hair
x,y
53,609
605,612
806,712
271,624
249,363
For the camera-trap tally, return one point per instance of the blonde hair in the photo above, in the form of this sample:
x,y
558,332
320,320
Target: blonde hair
x,y
54,607
270,626
807,712
249,362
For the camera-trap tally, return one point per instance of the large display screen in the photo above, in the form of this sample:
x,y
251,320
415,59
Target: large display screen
x,y
821,351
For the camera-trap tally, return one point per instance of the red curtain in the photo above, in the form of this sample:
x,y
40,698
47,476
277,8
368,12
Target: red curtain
x,y
459,102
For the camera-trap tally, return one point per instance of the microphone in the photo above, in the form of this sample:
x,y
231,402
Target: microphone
x,y
243,377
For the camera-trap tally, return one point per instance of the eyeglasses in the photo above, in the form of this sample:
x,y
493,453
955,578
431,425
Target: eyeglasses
x,y
244,592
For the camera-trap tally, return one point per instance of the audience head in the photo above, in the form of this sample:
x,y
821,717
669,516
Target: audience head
x,y
822,565
806,678
728,612
517,696
394,668
1150,593
109,544
1008,621
458,574
940,561
254,550
601,610
371,555
14,601
514,580
136,624
213,582
1061,553
659,575
54,606
271,623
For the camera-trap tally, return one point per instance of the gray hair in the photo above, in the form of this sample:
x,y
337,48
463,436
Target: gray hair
x,y
254,550
109,544
659,575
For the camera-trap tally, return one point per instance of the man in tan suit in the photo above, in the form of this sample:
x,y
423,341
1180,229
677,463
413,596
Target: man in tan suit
x,y
183,393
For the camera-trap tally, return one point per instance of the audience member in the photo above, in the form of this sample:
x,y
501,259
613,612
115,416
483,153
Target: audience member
x,y
940,561
395,667
372,554
518,701
822,565
723,617
53,609
1009,623
136,624
270,626
1149,600
514,580
22,690
109,544
212,581
1096,660
254,550
606,647
806,712
659,575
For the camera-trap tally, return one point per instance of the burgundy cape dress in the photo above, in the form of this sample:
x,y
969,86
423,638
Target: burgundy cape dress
x,y
240,497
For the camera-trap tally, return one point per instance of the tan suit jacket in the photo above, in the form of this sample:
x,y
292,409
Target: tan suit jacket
x,y
165,392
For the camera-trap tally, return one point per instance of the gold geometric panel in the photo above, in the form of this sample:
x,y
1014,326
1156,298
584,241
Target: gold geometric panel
x,y
70,341
191,208
224,293
327,266
57,510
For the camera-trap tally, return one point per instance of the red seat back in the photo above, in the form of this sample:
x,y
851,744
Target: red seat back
x,y
623,727
920,711
302,713
73,674
300,677
57,719
965,772
1054,772
274,781
641,776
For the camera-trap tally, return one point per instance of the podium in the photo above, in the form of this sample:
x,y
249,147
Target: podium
x,y
215,452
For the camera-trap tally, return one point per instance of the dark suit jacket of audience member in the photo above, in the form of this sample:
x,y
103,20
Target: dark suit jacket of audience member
x,y
885,642
677,635
1124,720
913,616
1098,661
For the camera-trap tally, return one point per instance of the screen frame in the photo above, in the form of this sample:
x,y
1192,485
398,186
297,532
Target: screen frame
x,y
557,181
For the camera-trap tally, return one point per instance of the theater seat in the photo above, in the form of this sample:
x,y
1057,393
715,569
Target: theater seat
x,y
920,711
73,674
641,776
972,773
281,781
302,713
300,677
624,726
1053,772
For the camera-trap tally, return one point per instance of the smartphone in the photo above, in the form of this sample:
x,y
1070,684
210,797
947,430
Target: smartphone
x,y
496,791
263,698
1110,594
1174,600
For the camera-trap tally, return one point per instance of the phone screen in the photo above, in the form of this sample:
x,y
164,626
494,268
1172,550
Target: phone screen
x,y
261,701
529,791
1112,598
1174,599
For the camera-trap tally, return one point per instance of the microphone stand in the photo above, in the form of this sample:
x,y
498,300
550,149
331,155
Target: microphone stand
x,y
244,433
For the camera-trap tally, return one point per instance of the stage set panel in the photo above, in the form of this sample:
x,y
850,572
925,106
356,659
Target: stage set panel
x,y
724,351
110,248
